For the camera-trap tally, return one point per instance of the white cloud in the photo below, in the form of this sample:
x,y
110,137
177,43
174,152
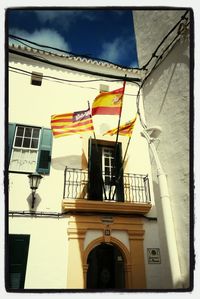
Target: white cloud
x,y
44,36
116,50
112,51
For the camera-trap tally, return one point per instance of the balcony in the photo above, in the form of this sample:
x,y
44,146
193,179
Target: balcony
x,y
76,197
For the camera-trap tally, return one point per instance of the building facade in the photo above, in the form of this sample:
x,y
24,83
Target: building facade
x,y
80,231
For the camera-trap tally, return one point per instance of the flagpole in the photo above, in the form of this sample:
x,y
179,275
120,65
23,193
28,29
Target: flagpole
x,y
126,151
98,154
119,120
120,112
119,176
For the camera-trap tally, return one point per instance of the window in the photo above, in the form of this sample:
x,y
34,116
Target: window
x,y
105,171
36,78
108,172
18,246
29,148
25,149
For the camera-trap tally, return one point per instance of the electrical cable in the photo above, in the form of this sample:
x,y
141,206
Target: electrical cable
x,y
33,48
61,80
159,59
19,39
52,79
129,79
62,214
165,37
138,108
71,81
33,213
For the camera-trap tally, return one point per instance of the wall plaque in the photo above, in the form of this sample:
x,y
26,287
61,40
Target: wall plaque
x,y
153,255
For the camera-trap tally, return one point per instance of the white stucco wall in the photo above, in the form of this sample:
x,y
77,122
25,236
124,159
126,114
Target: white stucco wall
x,y
36,105
158,273
33,105
48,251
166,103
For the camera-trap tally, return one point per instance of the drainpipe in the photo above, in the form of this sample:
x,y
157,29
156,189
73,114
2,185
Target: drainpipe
x,y
166,209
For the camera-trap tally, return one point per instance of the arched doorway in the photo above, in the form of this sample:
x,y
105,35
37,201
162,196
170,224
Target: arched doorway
x,y
105,268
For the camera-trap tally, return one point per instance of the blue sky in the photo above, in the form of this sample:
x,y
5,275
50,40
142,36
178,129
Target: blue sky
x,y
105,34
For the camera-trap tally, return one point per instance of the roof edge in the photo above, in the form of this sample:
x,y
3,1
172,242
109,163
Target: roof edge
x,y
77,58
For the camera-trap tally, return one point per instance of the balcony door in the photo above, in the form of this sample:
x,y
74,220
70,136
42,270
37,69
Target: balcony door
x,y
108,172
105,171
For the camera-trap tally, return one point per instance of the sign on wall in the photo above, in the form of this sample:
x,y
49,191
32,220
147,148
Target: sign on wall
x,y
153,255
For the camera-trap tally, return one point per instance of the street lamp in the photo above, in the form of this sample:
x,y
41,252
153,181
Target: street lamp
x,y
151,134
34,181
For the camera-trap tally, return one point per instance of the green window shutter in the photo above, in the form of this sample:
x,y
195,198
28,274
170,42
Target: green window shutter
x,y
44,155
18,246
11,134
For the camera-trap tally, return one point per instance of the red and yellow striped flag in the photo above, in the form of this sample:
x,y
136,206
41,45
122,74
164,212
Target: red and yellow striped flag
x,y
108,103
125,129
71,123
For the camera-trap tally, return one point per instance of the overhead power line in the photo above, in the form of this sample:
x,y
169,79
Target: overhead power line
x,y
154,54
29,74
159,58
61,79
71,54
86,71
20,39
62,214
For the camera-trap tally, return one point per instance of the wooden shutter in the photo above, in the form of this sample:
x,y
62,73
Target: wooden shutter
x,y
119,173
18,246
94,171
11,134
44,155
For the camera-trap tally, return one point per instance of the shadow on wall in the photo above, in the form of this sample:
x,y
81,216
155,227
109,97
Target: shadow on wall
x,y
36,201
104,128
71,161
176,57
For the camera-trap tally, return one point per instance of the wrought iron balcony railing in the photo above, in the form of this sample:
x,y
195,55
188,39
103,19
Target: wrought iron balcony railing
x,y
135,186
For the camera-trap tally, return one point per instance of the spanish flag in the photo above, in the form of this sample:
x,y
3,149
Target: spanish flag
x,y
125,129
71,123
108,103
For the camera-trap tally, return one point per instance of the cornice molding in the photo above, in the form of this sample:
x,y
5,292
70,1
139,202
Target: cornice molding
x,y
76,205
